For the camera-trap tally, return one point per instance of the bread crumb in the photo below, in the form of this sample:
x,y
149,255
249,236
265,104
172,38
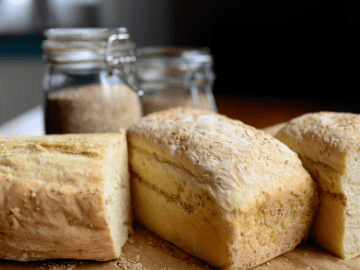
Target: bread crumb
x,y
127,264
131,241
15,211
62,266
267,263
14,224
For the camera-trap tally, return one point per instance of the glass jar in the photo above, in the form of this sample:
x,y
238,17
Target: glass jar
x,y
175,76
89,84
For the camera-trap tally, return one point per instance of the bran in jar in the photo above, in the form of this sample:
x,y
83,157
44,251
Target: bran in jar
x,y
92,109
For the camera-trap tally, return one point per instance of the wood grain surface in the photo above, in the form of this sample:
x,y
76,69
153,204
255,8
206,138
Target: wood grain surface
x,y
144,250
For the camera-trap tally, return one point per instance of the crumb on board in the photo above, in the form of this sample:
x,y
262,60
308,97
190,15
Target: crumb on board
x,y
131,241
127,264
59,266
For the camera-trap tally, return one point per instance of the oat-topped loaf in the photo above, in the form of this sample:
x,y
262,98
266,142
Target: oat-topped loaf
x,y
221,190
63,196
328,144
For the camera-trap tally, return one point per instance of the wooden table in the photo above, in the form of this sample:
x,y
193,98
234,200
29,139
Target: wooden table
x,y
145,250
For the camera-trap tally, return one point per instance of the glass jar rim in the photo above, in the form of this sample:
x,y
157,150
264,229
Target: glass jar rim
x,y
173,53
82,34
76,47
77,39
171,50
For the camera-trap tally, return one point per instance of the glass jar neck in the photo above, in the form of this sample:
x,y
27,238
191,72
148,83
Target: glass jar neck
x,y
88,51
174,65
88,48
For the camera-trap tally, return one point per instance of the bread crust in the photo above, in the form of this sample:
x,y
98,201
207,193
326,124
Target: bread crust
x,y
52,201
325,136
247,185
328,145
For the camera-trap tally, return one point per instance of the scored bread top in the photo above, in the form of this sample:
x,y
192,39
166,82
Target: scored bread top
x,y
324,137
237,164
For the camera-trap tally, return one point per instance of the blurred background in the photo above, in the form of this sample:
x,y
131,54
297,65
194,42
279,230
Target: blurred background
x,y
302,53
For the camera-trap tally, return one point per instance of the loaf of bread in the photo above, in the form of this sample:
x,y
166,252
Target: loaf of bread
x,y
328,144
220,190
274,129
64,196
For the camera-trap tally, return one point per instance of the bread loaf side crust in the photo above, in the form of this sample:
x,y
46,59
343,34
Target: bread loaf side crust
x,y
52,201
242,184
328,144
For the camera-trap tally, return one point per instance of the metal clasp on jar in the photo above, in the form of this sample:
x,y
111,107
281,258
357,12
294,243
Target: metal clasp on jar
x,y
200,76
122,58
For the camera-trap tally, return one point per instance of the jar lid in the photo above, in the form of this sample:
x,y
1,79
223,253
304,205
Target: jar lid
x,y
85,47
172,63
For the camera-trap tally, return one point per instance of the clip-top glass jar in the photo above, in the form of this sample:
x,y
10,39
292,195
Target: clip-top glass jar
x,y
175,76
89,83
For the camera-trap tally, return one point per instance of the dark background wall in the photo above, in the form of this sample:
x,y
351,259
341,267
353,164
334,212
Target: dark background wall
x,y
284,49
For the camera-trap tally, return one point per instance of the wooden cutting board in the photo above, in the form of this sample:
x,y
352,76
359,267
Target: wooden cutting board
x,y
145,250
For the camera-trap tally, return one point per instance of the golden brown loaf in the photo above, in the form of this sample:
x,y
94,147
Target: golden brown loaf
x,y
328,144
223,191
64,196
274,129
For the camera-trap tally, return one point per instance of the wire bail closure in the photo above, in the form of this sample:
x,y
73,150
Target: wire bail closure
x,y
201,76
124,61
